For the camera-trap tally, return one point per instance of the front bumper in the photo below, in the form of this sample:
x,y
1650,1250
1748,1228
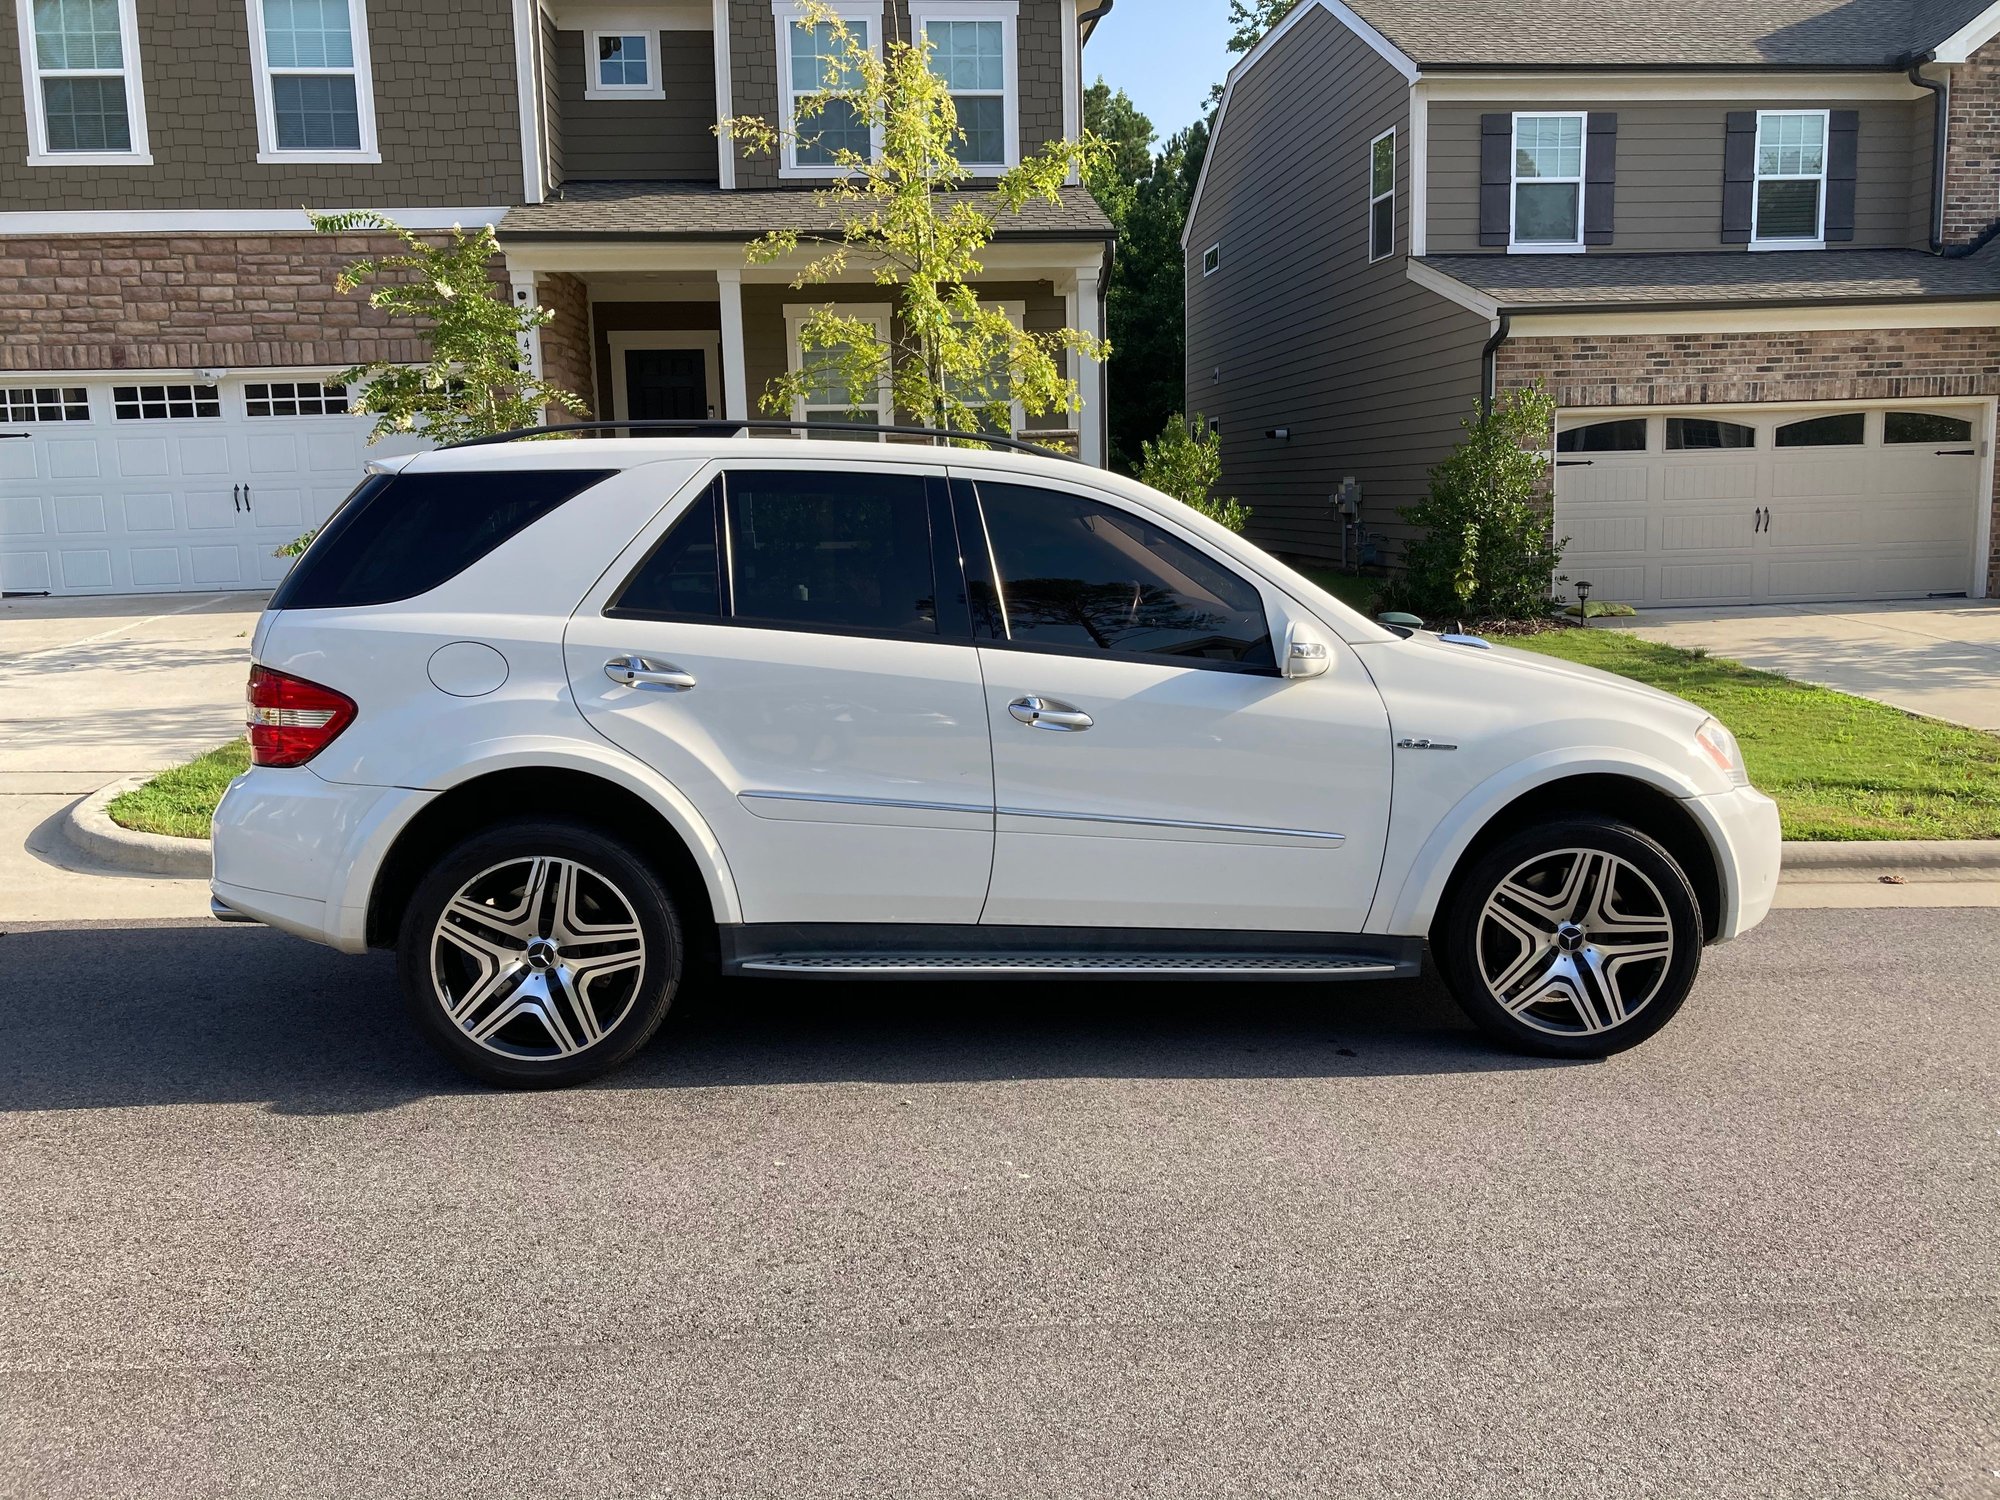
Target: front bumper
x,y
300,853
1743,826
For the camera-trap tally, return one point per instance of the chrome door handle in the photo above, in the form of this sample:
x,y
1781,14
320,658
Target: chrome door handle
x,y
635,671
1047,713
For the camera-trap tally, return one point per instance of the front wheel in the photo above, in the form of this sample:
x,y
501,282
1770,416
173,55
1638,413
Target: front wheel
x,y
540,953
1573,939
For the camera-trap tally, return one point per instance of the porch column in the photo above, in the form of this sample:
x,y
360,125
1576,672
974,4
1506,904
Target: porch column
x,y
1090,378
522,285
735,393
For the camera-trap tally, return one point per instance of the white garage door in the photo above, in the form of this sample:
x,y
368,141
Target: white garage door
x,y
166,484
1748,506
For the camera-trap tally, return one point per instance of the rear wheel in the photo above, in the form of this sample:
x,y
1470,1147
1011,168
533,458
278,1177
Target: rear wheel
x,y
1574,939
540,953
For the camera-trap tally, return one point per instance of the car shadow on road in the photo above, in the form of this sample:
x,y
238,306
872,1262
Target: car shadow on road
x,y
102,1015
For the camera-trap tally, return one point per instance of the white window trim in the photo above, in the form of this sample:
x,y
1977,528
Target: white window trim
x,y
1515,245
1374,197
1758,179
784,13
879,313
1208,269
39,155
652,88
1007,13
624,341
268,152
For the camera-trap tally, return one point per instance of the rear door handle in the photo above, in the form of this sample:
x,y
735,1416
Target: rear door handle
x,y
635,671
1048,713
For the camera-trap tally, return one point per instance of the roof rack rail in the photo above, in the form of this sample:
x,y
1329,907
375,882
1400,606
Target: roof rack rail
x,y
733,426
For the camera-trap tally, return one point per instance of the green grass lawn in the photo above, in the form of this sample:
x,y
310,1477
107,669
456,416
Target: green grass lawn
x,y
1840,767
180,801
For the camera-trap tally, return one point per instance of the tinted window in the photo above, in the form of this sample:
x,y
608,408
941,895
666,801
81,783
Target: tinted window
x,y
1077,574
681,579
1923,427
401,535
1700,432
831,551
1626,436
1844,431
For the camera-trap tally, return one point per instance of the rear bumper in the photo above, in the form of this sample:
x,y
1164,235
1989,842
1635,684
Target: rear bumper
x,y
300,853
1743,826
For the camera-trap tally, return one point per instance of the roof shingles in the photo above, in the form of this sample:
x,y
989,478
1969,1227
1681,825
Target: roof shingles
x,y
1519,283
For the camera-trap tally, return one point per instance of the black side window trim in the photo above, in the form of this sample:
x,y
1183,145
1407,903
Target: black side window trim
x,y
978,567
613,610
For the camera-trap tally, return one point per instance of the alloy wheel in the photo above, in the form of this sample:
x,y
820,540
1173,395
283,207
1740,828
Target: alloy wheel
x,y
538,958
1575,942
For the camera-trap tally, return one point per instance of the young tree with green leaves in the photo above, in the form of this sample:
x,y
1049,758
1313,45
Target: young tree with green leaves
x,y
1189,467
900,213
473,384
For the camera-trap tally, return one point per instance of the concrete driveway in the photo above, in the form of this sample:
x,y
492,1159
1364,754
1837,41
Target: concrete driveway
x,y
1938,657
94,689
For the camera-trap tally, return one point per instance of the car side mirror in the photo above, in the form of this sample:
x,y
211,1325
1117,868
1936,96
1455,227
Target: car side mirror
x,y
1306,652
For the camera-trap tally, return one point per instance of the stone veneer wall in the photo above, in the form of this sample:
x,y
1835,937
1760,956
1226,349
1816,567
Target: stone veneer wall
x,y
1972,158
1905,364
566,341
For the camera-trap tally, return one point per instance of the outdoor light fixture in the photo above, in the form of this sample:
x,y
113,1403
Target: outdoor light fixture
x,y
1583,602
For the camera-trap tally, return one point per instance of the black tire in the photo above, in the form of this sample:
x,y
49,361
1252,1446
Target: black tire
x,y
520,871
1606,988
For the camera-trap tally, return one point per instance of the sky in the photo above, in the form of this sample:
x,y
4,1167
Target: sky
x,y
1164,54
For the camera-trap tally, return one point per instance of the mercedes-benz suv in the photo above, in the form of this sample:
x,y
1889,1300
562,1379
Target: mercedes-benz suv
x,y
548,718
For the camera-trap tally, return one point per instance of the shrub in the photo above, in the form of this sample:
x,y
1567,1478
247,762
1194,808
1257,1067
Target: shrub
x,y
1486,551
1189,468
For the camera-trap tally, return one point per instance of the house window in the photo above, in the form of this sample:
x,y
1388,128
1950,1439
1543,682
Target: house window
x,y
1685,433
44,403
972,50
164,403
1848,430
1791,178
1382,196
1211,260
294,398
85,103
622,65
315,99
1924,427
830,399
1622,435
813,62
1548,182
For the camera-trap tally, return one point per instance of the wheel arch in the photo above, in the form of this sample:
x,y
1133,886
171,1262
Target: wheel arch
x,y
1645,796
614,798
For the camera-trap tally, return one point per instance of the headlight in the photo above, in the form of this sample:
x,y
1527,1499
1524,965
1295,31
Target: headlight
x,y
1720,746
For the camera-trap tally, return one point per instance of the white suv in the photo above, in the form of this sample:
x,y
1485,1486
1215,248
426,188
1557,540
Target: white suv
x,y
555,718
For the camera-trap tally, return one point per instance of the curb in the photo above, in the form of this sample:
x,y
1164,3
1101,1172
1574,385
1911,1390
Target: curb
x,y
90,829
1942,859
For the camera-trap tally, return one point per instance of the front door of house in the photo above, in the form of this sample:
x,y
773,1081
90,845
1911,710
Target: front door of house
x,y
669,384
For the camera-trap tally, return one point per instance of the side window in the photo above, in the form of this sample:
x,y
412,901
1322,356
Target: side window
x,y
837,552
681,579
1065,573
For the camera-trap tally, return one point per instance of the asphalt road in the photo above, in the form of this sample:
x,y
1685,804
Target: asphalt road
x,y
1003,1241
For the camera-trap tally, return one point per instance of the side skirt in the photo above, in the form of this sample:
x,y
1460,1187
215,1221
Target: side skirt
x,y
842,951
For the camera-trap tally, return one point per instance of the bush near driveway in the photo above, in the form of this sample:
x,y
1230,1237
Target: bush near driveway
x,y
180,802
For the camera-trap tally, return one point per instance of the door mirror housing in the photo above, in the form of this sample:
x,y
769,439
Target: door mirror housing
x,y
1307,653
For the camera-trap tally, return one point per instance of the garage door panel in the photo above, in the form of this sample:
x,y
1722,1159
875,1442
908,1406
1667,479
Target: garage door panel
x,y
156,567
204,455
270,568
1847,526
1604,483
1710,481
142,458
86,569
80,515
73,458
1709,583
279,507
1608,533
1709,531
22,515
149,511
24,572
216,564
17,460
1844,478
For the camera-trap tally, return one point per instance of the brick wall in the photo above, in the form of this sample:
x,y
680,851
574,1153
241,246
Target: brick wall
x,y
566,341
1913,364
1972,155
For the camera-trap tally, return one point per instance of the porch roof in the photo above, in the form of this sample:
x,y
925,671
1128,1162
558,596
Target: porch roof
x,y
694,211
1613,283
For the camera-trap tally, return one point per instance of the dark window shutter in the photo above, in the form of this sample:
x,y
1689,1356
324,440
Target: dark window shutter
x,y
1739,176
1842,143
1496,178
1600,179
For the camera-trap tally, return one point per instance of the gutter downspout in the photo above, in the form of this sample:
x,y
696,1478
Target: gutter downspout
x,y
1489,362
1940,129
1085,21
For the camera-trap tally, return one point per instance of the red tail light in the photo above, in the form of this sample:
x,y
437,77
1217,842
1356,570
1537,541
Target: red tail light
x,y
292,720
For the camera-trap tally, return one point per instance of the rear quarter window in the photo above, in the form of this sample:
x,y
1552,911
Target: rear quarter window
x,y
400,535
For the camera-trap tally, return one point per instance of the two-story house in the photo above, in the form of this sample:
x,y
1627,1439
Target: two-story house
x,y
169,324
1747,248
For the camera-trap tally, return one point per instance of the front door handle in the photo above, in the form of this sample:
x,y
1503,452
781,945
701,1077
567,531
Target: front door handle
x,y
635,671
1048,713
